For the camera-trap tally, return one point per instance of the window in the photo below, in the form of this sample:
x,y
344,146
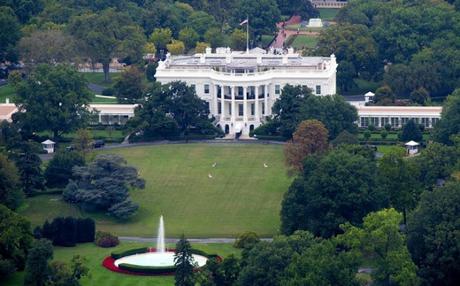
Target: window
x,y
219,108
318,89
394,122
253,106
240,109
434,121
385,121
193,86
229,109
263,108
207,105
277,89
206,88
364,121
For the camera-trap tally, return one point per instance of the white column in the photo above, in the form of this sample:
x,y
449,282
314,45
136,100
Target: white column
x,y
215,101
267,112
233,104
222,103
256,104
245,101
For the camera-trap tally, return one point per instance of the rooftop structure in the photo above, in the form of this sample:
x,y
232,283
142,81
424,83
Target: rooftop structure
x,y
242,86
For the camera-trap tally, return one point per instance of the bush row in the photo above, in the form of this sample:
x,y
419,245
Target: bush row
x,y
118,255
147,269
67,231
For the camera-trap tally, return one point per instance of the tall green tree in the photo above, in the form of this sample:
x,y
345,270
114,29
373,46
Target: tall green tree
x,y
263,16
337,188
161,37
129,88
29,167
433,230
9,34
53,98
24,9
411,131
107,35
449,124
37,269
15,241
189,37
183,261
10,186
380,236
303,8
398,179
59,169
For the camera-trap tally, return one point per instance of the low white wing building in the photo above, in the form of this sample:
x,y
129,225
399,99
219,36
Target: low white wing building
x,y
241,87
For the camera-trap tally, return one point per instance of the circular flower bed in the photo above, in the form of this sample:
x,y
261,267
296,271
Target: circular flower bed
x,y
115,263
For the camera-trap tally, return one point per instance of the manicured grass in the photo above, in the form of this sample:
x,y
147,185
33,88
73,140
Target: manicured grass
x,y
242,195
328,14
304,41
101,276
104,100
98,78
7,91
303,28
386,149
112,136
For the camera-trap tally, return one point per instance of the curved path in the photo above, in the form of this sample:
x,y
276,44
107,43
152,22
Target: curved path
x,y
174,240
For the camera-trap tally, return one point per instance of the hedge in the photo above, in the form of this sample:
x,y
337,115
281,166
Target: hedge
x,y
118,255
270,137
147,269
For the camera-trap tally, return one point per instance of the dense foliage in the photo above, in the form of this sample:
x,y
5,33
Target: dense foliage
x,y
297,103
433,230
15,240
172,111
417,42
10,188
59,169
449,125
183,261
67,231
336,188
103,185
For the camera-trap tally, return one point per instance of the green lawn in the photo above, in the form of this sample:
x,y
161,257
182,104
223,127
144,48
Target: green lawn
x,y
6,91
303,28
98,78
99,276
328,14
386,149
302,41
242,195
104,100
112,136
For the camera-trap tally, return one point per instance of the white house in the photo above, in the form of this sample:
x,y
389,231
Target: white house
x,y
241,87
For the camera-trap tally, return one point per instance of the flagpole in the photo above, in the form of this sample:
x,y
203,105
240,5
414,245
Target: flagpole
x,y
247,35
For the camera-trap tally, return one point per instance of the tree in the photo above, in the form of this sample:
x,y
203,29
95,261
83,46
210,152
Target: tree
x,y
9,34
337,188
398,179
129,88
309,138
53,98
238,40
37,269
411,131
62,274
263,16
224,273
303,8
380,236
10,187
346,138
432,237
24,9
29,167
49,46
189,37
150,71
183,261
346,72
83,141
201,47
161,37
59,169
384,96
450,119
107,35
215,37
322,264
176,47
246,240
103,184
419,95
201,21
15,240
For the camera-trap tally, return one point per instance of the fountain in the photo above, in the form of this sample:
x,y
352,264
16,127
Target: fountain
x,y
159,261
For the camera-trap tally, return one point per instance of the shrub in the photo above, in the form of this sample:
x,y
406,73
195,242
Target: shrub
x,y
147,269
384,134
246,240
367,134
68,231
371,127
388,127
106,239
117,255
110,91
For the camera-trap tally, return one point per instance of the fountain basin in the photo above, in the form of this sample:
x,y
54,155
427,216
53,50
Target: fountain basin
x,y
156,259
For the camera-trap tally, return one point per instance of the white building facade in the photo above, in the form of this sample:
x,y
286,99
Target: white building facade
x,y
241,87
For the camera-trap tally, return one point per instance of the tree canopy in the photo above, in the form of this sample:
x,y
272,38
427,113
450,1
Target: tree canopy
x,y
432,231
449,124
10,187
53,98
